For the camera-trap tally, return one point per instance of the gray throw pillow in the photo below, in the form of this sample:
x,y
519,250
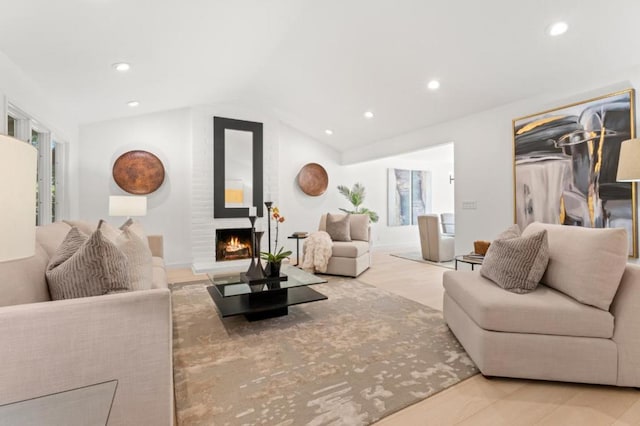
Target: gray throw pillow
x,y
517,264
86,266
338,227
511,232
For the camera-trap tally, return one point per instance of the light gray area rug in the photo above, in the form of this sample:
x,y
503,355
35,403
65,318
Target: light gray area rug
x,y
416,256
350,360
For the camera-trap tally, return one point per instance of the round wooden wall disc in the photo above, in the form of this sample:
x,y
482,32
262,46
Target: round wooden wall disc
x,y
138,172
313,179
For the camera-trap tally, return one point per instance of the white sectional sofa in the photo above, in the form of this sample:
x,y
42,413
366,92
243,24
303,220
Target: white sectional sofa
x,y
54,346
565,330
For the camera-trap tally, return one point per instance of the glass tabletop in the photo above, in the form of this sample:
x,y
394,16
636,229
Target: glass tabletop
x,y
230,285
86,406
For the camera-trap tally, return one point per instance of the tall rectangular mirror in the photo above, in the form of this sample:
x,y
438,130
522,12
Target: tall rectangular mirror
x,y
237,161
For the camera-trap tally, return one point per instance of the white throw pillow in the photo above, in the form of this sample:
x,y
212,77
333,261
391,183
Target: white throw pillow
x,y
136,251
359,224
584,263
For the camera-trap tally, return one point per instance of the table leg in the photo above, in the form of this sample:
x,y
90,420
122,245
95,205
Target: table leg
x,y
297,252
472,266
456,264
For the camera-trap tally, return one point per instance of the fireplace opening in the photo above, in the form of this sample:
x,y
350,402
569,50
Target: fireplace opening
x,y
233,244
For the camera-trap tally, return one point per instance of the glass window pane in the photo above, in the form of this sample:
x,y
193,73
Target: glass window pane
x,y
53,181
34,142
11,126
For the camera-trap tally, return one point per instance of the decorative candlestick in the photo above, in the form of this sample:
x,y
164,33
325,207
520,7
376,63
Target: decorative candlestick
x,y
255,270
268,204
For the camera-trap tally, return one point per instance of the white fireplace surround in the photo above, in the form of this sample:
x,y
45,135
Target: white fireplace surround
x,y
203,224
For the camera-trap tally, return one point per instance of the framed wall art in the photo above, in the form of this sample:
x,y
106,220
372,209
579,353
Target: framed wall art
x,y
409,195
566,161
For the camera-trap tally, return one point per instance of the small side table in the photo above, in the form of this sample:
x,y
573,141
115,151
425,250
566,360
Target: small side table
x,y
472,262
297,238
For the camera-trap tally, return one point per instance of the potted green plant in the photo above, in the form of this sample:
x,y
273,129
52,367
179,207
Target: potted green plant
x,y
274,260
355,196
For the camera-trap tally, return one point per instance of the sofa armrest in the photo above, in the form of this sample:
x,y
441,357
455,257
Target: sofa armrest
x,y
61,345
156,244
626,311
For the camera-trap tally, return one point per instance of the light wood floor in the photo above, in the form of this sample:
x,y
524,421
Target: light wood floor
x,y
478,401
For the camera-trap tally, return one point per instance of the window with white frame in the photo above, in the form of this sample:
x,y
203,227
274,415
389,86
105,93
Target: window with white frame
x,y
49,189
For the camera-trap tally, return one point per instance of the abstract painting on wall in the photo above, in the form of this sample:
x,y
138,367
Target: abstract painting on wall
x,y
565,166
409,195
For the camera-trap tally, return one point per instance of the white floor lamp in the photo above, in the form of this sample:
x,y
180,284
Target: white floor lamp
x,y
18,181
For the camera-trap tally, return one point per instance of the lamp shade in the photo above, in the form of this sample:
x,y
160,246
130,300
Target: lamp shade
x,y
123,205
18,181
629,162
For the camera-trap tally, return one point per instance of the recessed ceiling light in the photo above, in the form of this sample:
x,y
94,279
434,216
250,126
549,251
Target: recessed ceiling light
x,y
368,114
329,132
122,66
433,85
133,104
558,28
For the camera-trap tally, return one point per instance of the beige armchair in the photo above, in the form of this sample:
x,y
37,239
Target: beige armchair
x,y
436,247
350,258
448,224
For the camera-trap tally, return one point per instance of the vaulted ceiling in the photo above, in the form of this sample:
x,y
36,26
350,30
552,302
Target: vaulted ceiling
x,y
315,64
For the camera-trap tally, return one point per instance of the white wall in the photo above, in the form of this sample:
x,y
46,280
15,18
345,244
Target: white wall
x,y
302,212
165,134
484,158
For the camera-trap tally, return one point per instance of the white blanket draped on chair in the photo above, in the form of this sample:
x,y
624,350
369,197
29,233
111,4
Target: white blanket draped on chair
x,y
317,251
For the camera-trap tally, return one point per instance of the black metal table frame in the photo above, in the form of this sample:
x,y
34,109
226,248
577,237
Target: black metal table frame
x,y
473,263
297,238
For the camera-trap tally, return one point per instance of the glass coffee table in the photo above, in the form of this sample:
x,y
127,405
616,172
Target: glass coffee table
x,y
256,302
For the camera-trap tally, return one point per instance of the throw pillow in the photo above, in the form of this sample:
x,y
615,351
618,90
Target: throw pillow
x,y
338,227
517,264
139,259
359,227
136,227
511,232
86,266
584,263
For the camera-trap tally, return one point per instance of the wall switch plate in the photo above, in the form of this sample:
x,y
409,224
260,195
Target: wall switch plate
x,y
469,205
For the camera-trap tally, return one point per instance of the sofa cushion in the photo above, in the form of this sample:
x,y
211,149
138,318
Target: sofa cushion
x,y
83,226
22,281
138,255
51,236
350,249
359,227
86,266
338,227
543,311
511,232
159,277
517,264
586,264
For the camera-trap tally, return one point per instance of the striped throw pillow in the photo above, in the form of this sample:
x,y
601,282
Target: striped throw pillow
x,y
517,264
86,266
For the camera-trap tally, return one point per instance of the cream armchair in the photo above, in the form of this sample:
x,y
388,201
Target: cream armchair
x,y
350,258
436,247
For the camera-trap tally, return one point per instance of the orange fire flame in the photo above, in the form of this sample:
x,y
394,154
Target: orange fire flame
x,y
234,244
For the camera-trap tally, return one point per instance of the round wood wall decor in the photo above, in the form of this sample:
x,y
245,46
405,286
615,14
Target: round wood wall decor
x,y
138,172
313,179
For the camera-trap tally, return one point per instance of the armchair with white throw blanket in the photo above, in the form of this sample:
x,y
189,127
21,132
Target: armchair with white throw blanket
x,y
350,249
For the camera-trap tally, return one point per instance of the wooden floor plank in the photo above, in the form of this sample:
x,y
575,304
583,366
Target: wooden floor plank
x,y
478,401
